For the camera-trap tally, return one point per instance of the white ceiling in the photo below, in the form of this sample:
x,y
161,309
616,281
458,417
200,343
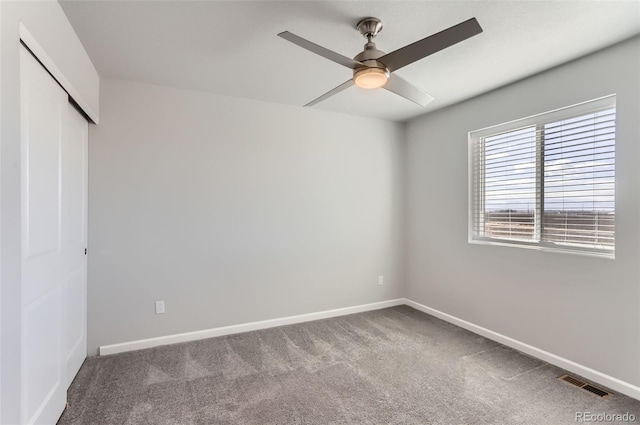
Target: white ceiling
x,y
231,47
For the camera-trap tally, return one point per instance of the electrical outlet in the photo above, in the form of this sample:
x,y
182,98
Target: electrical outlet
x,y
159,307
380,280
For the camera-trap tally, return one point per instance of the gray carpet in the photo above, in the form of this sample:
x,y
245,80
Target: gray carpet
x,y
391,366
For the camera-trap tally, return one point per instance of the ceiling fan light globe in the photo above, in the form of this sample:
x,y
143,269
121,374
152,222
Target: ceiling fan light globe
x,y
371,78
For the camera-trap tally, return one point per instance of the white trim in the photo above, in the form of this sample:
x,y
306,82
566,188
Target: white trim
x,y
558,114
39,52
244,327
584,371
543,246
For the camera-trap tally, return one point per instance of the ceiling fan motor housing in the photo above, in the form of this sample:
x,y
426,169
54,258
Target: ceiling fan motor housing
x,y
369,58
373,73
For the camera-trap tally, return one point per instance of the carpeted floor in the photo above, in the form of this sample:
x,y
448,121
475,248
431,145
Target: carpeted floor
x,y
391,366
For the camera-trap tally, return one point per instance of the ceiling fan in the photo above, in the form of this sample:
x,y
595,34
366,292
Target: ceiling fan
x,y
373,68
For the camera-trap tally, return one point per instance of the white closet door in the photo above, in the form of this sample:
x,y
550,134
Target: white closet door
x,y
74,243
44,112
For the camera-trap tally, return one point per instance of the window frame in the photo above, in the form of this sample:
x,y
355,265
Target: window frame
x,y
538,121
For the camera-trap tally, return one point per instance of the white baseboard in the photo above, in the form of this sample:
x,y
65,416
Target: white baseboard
x,y
244,327
584,371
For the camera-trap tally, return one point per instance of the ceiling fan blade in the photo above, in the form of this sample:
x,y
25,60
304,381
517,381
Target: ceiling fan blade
x,y
401,87
319,50
430,45
331,92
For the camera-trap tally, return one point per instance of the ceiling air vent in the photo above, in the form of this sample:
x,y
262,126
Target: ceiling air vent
x,y
583,385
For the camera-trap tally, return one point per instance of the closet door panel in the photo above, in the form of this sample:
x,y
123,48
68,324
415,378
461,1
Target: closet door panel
x,y
43,129
74,242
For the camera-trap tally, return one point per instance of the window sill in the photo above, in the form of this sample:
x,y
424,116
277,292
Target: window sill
x,y
545,248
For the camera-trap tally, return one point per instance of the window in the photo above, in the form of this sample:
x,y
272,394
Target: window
x,y
546,181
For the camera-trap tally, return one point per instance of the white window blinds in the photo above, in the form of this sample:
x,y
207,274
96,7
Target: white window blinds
x,y
547,181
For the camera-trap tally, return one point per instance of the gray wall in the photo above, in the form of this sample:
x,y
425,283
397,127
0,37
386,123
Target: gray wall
x,y
234,211
582,308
